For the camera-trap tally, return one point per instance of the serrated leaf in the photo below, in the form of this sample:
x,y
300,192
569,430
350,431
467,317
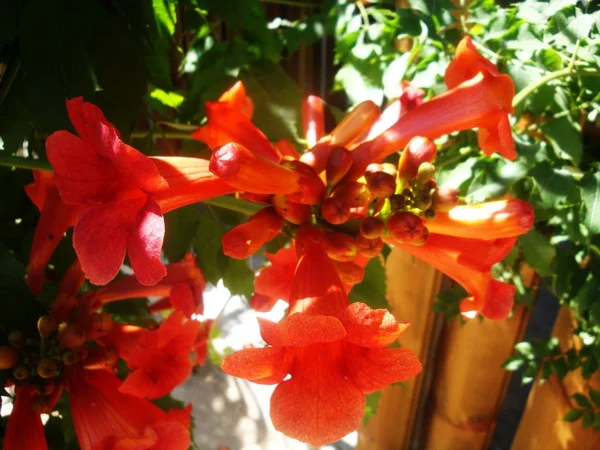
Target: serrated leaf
x,y
573,415
538,251
582,400
590,190
372,289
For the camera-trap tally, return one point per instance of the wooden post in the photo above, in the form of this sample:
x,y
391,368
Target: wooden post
x,y
542,426
412,289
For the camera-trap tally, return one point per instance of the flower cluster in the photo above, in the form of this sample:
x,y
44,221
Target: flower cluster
x,y
340,201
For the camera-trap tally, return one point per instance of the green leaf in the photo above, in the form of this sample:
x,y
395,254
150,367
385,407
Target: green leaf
x,y
550,59
565,136
538,251
573,415
588,419
588,294
582,401
239,278
371,407
277,101
180,227
594,395
357,86
372,289
207,246
169,99
556,186
513,363
590,190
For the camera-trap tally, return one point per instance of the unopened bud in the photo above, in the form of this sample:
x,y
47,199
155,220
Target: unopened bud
x,y
444,199
349,272
21,372
340,246
407,227
417,151
369,247
71,336
355,123
373,168
16,338
335,211
46,326
9,356
389,168
423,201
292,212
372,227
68,358
262,303
397,202
100,358
381,184
425,172
311,187
99,325
247,238
352,193
47,368
308,235
429,214
429,186
338,164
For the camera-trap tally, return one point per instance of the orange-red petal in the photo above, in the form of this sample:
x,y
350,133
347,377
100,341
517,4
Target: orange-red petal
x,y
369,327
260,365
24,429
297,330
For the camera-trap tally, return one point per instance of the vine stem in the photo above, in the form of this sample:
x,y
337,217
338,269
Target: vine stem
x,y
25,163
162,134
521,96
291,3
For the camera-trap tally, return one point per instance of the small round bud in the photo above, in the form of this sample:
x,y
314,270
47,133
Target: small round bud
x,y
349,272
425,172
9,356
373,168
335,211
295,213
445,198
381,184
429,214
429,186
46,326
99,324
369,247
47,368
372,227
340,247
71,336
352,193
397,202
21,372
416,152
407,227
389,168
311,186
69,358
338,164
423,201
16,338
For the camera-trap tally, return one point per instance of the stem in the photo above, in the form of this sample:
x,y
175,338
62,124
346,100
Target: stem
x,y
521,96
161,134
25,163
291,3
234,204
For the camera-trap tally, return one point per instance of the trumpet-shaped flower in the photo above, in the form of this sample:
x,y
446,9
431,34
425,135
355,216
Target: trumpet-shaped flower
x,y
25,416
334,352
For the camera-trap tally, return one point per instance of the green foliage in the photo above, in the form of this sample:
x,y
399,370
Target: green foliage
x,y
372,289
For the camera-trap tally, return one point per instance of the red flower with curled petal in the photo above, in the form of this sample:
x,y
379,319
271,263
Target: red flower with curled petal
x,y
25,416
334,352
123,194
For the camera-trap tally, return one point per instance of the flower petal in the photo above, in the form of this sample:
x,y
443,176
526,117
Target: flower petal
x,y
23,417
371,369
144,244
498,301
259,365
299,329
369,327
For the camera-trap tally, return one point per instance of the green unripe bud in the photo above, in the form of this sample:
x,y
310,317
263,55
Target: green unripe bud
x,y
425,172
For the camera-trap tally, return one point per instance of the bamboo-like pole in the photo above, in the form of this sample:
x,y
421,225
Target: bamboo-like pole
x,y
412,289
541,426
470,383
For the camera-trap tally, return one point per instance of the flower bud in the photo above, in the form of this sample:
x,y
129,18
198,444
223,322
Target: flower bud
x,y
306,235
262,303
46,326
416,152
311,187
373,168
295,213
338,164
47,368
423,201
313,119
381,184
407,227
355,123
256,198
9,356
352,193
98,325
397,202
340,246
372,227
16,338
246,239
335,211
369,247
239,167
21,372
349,272
100,358
71,336
444,199
429,214
389,168
425,172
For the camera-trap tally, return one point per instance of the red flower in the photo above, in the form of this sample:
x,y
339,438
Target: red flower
x,y
107,419
274,282
24,430
229,122
313,119
201,343
334,352
123,194
56,217
246,239
469,262
161,358
182,287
